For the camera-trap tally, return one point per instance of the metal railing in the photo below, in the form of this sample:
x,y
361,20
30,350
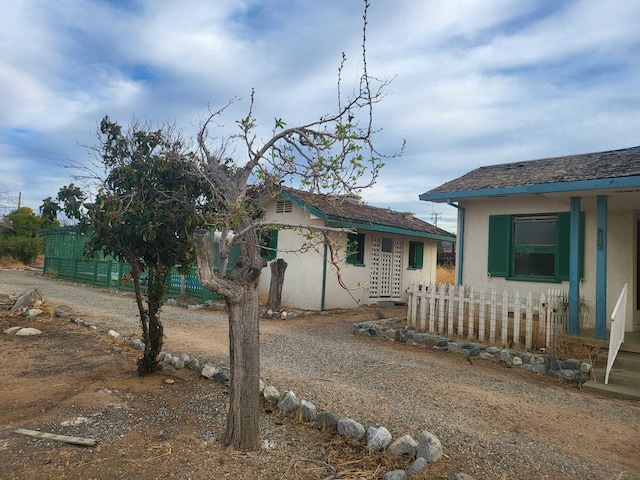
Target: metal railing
x,y
616,335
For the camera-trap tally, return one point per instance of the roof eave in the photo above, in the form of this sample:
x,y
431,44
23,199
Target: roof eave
x,y
558,187
377,227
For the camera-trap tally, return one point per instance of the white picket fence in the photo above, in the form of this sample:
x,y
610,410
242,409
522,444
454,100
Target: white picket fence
x,y
487,315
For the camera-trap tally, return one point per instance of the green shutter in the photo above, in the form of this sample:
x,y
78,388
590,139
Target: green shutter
x,y
564,239
419,254
273,244
499,245
355,248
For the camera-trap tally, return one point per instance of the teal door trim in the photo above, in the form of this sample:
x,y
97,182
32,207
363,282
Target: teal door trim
x,y
601,268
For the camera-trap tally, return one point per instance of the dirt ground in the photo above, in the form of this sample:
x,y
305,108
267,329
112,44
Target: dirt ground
x,y
72,380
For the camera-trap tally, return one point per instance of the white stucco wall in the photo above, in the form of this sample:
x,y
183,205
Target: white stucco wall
x,y
303,281
620,252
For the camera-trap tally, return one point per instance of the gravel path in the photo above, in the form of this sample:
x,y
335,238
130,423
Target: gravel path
x,y
494,422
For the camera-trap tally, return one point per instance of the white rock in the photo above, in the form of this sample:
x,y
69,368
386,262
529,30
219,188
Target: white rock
x,y
209,371
378,438
24,332
271,394
429,447
516,361
32,312
12,330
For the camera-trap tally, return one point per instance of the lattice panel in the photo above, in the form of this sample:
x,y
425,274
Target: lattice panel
x,y
396,274
374,270
386,268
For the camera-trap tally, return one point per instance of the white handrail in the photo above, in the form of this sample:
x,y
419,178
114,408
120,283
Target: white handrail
x,y
616,335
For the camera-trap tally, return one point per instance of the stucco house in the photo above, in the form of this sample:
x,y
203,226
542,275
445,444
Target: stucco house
x,y
571,221
379,251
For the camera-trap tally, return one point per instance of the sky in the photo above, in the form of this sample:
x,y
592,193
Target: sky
x,y
474,83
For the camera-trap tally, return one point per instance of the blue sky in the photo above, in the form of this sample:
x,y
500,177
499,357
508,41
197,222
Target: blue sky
x,y
476,83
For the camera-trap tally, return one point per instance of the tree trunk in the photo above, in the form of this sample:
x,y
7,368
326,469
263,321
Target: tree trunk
x,y
243,419
275,287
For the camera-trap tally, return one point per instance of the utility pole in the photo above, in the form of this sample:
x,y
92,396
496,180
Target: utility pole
x,y
434,217
19,199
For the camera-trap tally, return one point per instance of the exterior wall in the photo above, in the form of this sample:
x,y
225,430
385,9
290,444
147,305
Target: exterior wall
x,y
620,250
303,282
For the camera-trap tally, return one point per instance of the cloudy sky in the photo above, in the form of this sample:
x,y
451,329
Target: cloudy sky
x,y
475,82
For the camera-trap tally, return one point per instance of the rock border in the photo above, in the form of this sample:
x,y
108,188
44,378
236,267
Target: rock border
x,y
428,449
542,363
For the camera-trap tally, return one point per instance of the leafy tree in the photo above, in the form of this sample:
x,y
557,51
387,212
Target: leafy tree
x,y
49,213
144,213
334,154
24,223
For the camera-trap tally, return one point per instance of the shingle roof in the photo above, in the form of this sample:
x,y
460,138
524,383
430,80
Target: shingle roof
x,y
344,210
570,168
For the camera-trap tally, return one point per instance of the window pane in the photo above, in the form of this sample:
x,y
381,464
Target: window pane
x,y
387,244
534,264
535,232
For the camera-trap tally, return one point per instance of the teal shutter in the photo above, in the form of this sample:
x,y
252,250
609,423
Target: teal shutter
x,y
355,248
419,254
499,245
273,244
564,236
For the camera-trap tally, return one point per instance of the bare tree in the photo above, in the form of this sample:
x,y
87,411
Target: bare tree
x,y
334,154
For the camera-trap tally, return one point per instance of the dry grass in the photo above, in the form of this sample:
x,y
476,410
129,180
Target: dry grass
x,y
445,274
10,262
571,347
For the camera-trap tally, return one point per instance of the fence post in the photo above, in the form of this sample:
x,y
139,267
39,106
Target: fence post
x,y
441,304
493,313
411,307
528,329
423,307
505,318
471,316
517,308
482,307
432,306
451,309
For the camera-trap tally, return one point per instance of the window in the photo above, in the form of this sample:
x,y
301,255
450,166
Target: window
x,y
269,244
416,254
355,248
531,247
284,206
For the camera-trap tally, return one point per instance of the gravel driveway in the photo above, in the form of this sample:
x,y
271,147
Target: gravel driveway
x,y
494,422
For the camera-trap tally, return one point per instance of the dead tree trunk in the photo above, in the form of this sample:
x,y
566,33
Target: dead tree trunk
x,y
275,287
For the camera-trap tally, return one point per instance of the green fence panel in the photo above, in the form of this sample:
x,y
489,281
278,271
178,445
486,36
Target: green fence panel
x,y
64,257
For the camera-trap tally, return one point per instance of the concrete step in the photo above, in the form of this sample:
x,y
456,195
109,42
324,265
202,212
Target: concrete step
x,y
624,378
611,390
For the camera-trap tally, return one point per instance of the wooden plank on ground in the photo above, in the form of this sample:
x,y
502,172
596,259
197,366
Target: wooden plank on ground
x,y
58,438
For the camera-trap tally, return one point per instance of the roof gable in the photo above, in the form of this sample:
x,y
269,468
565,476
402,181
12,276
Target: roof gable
x,y
571,172
348,213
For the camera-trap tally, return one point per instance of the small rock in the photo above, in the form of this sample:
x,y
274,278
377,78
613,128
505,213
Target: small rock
x,y
208,371
585,367
12,330
32,312
221,377
429,447
327,422
307,411
283,316
117,349
288,402
177,362
452,346
350,428
269,314
60,313
271,394
493,350
114,334
137,344
417,466
169,381
395,475
261,386
25,332
378,438
405,445
516,361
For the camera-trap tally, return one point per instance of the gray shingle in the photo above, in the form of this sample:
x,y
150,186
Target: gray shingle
x,y
570,168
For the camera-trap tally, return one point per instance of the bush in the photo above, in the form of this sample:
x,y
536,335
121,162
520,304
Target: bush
x,y
22,249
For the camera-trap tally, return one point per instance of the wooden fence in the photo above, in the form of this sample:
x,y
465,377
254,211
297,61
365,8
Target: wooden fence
x,y
487,315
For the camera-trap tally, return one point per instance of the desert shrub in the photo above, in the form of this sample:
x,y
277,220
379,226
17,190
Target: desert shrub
x,y
23,249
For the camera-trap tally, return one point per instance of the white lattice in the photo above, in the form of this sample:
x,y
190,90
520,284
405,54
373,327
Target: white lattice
x,y
374,269
396,274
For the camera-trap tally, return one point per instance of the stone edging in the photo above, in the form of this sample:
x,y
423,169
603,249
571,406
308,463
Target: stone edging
x,y
426,450
542,363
